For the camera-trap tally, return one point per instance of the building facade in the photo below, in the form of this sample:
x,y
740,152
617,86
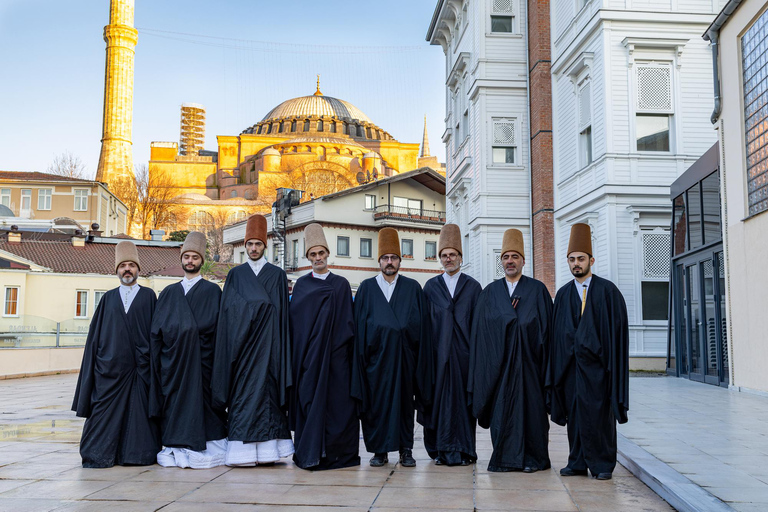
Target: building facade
x,y
740,36
631,108
487,135
41,199
412,202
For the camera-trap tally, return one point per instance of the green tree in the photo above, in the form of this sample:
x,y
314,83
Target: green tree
x,y
178,236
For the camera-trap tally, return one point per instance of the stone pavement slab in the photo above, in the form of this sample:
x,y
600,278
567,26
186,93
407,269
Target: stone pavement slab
x,y
40,471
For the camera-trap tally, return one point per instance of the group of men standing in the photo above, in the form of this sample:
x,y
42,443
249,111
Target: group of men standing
x,y
205,377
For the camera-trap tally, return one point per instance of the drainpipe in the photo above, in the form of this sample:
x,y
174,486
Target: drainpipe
x,y
714,40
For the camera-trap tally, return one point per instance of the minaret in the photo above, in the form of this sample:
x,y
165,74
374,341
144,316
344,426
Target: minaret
x,y
116,159
425,141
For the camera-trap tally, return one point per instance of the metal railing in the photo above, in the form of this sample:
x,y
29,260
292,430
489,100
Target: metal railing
x,y
29,331
388,211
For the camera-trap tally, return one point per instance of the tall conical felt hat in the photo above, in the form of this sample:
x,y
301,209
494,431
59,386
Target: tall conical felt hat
x,y
450,238
256,228
389,242
126,251
195,242
581,239
314,236
513,241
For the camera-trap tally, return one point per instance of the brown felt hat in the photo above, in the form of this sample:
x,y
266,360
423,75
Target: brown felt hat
x,y
581,239
256,228
450,238
195,242
314,236
126,251
513,241
389,242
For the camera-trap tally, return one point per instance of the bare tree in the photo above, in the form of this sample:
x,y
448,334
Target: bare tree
x,y
67,164
156,193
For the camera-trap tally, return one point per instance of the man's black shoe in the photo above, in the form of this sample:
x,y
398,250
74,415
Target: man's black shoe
x,y
439,462
465,461
528,469
379,459
604,476
406,458
566,471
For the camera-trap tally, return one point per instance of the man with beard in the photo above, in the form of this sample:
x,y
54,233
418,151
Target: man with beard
x,y
183,335
252,362
322,415
589,363
391,374
113,386
508,363
449,428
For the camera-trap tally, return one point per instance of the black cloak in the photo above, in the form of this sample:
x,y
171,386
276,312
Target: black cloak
x,y
183,338
252,361
391,364
508,367
449,428
589,372
323,415
113,386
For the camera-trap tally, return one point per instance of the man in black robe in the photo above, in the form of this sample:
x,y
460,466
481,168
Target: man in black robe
x,y
183,336
391,374
449,428
589,369
113,386
252,361
508,363
323,414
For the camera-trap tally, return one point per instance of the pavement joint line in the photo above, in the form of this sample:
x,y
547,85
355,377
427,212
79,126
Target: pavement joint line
x,y
674,487
392,472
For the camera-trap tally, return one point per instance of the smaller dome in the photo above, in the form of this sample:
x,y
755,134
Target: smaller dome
x,y
370,154
270,152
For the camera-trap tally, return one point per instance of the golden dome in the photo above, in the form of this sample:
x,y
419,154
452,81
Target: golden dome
x,y
316,105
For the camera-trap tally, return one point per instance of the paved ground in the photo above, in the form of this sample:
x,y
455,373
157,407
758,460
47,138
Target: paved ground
x,y
716,438
40,471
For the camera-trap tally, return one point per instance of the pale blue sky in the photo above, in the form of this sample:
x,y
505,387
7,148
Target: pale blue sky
x,y
239,58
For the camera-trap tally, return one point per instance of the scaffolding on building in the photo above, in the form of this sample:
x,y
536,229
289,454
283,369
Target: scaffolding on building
x,y
192,129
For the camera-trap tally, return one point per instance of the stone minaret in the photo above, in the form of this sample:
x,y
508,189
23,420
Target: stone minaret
x,y
116,159
425,141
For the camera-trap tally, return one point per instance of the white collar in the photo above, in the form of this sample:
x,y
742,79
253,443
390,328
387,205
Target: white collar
x,y
257,265
382,280
449,277
587,282
321,276
125,289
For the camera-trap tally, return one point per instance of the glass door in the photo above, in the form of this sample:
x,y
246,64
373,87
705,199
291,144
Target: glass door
x,y
693,322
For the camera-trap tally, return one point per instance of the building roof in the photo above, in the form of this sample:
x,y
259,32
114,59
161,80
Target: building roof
x,y
38,176
720,19
427,176
57,253
316,105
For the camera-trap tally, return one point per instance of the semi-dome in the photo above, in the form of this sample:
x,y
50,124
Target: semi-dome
x,y
316,105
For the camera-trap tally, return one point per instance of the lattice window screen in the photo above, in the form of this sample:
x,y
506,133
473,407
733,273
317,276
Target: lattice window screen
x,y
654,88
656,255
504,132
499,268
503,6
585,106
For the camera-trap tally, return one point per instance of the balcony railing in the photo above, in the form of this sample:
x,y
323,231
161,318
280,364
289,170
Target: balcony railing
x,y
388,211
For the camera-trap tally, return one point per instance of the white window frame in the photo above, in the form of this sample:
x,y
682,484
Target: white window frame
x,y
5,197
97,296
77,302
497,10
80,199
5,301
585,111
641,110
500,143
338,239
427,243
370,248
370,205
44,194
402,248
26,194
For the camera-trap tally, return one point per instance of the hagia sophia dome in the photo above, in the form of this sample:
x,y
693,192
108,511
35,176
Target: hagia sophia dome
x,y
316,105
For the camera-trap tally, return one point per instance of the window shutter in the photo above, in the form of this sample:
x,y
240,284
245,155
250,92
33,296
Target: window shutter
x,y
503,6
504,132
496,263
585,106
656,254
654,88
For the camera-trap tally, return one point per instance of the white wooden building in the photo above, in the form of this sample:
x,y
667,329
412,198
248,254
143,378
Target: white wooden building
x,y
631,87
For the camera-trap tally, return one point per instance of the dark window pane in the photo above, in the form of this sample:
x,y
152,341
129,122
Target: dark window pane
x,y
710,194
365,247
710,325
724,332
655,297
407,248
430,251
680,231
694,305
694,217
503,155
501,23
652,132
342,246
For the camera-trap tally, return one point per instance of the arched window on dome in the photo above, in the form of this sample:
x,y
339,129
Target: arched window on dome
x,y
293,149
200,221
368,133
336,150
378,134
236,216
308,149
233,194
306,125
333,126
293,125
359,131
260,130
281,127
320,125
344,128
